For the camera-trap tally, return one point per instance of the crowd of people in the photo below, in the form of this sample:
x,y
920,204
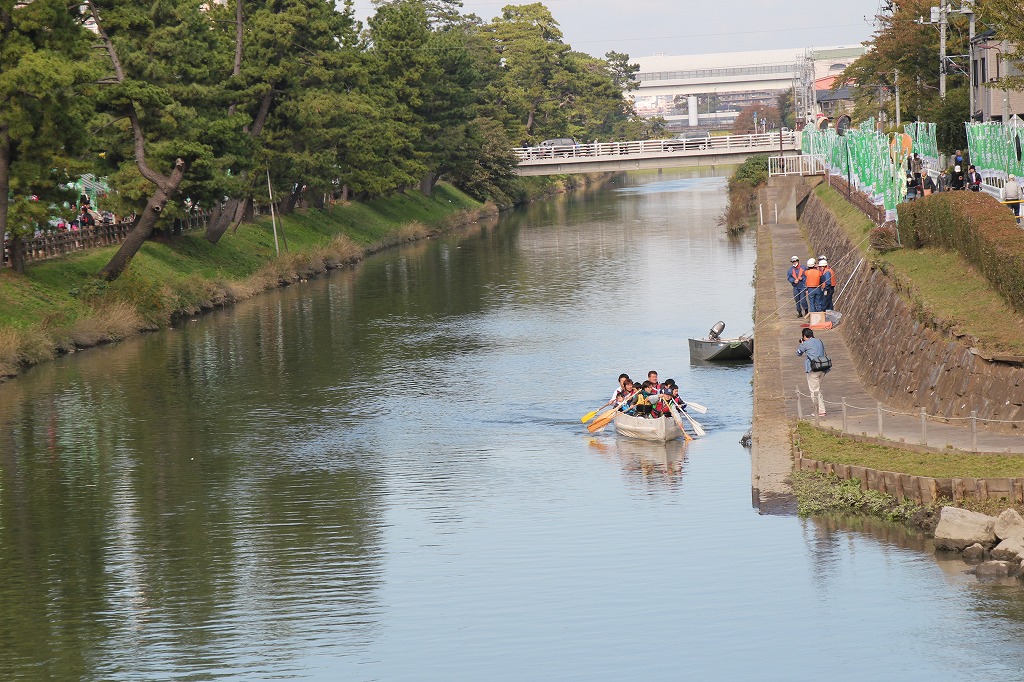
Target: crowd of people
x,y
651,398
813,285
960,176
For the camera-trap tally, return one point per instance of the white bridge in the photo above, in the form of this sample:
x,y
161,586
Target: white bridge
x,y
603,157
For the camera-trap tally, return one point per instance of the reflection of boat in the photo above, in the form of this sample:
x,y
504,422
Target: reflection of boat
x,y
659,429
668,455
714,347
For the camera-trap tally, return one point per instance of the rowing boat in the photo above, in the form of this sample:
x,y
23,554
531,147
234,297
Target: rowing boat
x,y
658,429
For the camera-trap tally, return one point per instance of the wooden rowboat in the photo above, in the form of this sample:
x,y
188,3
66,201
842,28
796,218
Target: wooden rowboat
x,y
659,429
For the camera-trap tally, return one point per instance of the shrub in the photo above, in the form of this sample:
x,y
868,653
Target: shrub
x,y
979,228
885,238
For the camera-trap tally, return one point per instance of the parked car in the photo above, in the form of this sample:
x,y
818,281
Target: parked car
x,y
559,146
685,141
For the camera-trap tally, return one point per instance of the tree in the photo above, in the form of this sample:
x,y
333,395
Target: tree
x,y
623,73
1008,20
167,81
787,111
745,120
902,44
45,66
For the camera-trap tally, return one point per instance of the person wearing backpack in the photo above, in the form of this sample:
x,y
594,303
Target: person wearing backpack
x,y
816,365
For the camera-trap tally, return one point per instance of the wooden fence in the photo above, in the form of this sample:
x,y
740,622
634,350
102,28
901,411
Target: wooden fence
x,y
54,244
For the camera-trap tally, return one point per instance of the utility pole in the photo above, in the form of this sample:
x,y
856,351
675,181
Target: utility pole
x,y
896,84
968,8
943,23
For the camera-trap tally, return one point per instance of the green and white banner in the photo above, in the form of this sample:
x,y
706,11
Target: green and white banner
x,y
996,148
874,163
924,142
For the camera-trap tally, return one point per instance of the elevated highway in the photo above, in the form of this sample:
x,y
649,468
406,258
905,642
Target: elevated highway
x,y
606,157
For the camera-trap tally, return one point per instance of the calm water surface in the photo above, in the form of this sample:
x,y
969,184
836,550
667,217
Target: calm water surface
x,y
382,476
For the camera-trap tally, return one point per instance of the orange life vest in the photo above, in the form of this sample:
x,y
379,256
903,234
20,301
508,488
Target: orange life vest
x,y
832,273
813,278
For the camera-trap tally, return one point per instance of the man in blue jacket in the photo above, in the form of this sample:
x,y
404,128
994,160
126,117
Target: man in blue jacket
x,y
797,276
812,348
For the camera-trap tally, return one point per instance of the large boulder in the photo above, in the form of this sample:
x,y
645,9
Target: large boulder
x,y
1010,549
996,569
959,528
1009,524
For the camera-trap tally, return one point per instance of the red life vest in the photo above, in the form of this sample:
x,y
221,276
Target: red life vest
x,y
797,272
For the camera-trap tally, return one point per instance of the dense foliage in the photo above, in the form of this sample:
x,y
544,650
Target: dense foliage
x,y
903,45
979,228
190,104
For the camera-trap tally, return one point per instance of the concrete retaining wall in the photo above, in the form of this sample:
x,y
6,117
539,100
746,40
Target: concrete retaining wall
x,y
903,361
921,489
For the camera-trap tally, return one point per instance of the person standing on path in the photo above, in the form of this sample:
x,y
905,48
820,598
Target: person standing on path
x,y
797,276
828,283
812,279
1011,193
812,349
974,179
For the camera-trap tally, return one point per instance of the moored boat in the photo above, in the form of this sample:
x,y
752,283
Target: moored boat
x,y
659,429
714,347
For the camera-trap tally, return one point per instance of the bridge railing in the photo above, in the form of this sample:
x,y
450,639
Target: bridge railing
x,y
765,142
798,164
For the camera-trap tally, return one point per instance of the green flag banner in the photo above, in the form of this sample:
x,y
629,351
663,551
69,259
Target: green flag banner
x,y
996,148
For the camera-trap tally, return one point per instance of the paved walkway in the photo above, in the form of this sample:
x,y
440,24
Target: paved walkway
x,y
843,384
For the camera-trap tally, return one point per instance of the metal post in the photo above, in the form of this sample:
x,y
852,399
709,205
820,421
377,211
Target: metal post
x,y
776,214
924,427
881,433
760,214
974,430
799,406
845,429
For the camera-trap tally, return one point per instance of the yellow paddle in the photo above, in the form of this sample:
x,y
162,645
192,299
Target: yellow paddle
x,y
590,415
605,418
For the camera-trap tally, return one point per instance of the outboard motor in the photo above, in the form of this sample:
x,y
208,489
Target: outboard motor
x,y
716,331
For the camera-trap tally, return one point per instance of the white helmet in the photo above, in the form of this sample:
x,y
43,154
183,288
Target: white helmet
x,y
822,262
811,262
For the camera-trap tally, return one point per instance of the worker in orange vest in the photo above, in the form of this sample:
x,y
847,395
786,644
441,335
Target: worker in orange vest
x,y
813,280
796,277
828,283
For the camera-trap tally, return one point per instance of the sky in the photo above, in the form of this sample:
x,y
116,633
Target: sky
x,y
641,28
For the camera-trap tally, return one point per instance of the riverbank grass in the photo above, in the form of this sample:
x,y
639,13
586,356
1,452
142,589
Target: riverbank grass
x,y
941,285
828,446
60,304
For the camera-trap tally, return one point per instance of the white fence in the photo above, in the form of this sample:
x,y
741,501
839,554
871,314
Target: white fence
x,y
798,164
767,142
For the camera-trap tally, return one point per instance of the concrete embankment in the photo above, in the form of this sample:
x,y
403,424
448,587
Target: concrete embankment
x,y
887,366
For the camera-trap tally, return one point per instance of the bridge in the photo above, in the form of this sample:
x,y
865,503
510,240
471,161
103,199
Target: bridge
x,y
606,157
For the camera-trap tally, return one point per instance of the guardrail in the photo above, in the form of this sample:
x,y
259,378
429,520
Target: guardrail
x,y
797,164
767,142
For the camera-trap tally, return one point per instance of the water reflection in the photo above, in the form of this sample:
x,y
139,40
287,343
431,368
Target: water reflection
x,y
382,475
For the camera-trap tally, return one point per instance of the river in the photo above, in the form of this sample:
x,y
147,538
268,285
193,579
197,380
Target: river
x,y
382,475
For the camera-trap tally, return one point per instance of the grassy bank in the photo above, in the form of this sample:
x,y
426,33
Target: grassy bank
x,y
744,184
60,305
819,493
945,290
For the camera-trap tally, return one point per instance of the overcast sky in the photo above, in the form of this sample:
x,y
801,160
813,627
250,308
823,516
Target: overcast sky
x,y
641,28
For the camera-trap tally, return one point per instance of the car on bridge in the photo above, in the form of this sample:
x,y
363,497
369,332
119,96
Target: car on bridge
x,y
685,141
556,147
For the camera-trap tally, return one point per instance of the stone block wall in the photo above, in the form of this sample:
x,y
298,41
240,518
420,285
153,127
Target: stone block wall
x,y
903,361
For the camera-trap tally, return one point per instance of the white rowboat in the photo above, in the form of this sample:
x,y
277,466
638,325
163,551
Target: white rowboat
x,y
660,429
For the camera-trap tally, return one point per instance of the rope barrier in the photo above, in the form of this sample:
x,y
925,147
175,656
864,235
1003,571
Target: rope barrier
x,y
936,418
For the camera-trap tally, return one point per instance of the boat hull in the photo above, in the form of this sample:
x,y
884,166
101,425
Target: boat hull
x,y
658,430
722,349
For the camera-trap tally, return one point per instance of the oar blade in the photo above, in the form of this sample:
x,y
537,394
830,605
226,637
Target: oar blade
x,y
696,407
589,415
601,421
